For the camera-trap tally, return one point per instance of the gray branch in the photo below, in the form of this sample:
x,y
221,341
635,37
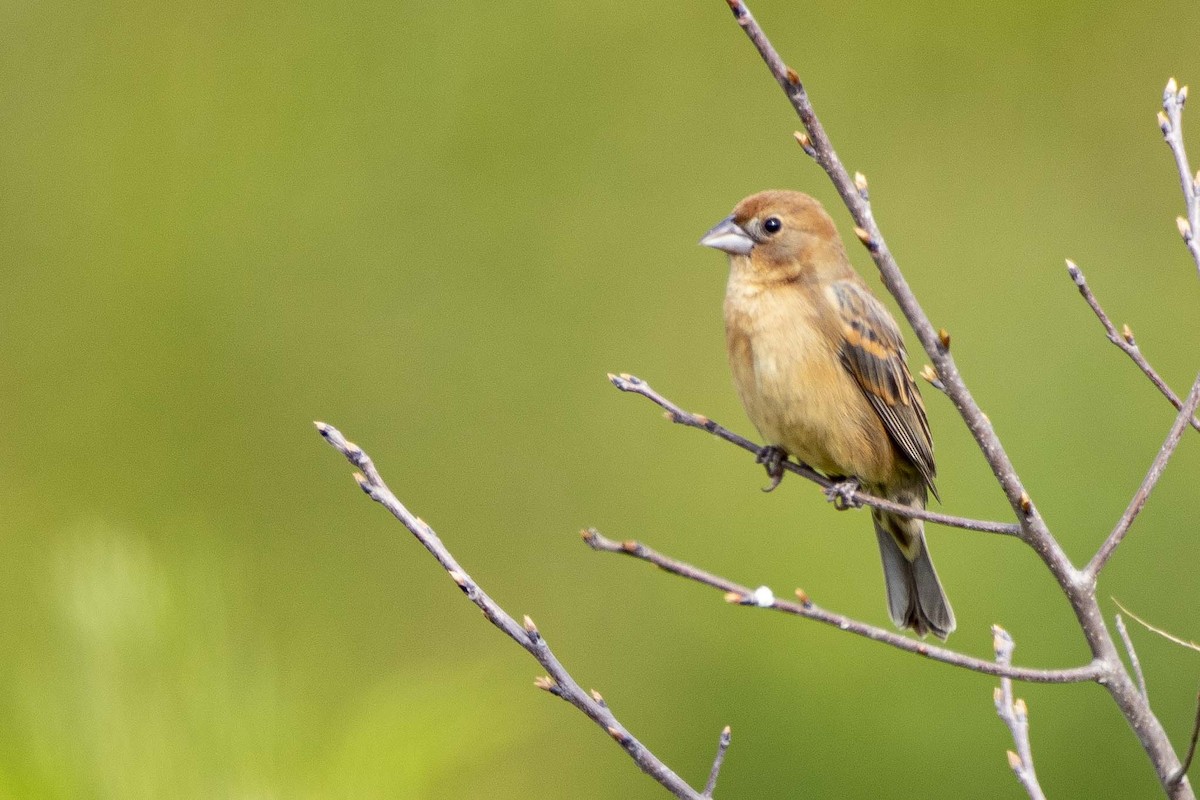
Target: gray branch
x,y
1124,340
1134,661
1191,751
1170,122
558,681
1015,715
803,606
722,746
635,385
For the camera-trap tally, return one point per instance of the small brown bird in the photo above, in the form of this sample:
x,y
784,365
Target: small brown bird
x,y
820,367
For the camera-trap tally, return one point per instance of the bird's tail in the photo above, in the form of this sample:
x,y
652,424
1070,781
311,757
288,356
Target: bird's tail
x,y
915,596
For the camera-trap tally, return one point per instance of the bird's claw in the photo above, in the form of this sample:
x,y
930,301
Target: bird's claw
x,y
772,458
841,494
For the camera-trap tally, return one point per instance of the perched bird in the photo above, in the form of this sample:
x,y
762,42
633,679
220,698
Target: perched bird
x,y
820,367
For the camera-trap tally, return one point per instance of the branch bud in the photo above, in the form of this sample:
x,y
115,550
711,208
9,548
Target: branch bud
x,y
622,738
1021,708
531,629
1073,271
860,183
630,546
792,77
1014,761
458,578
597,697
805,143
1185,229
546,684
863,236
803,597
1182,94
1026,503
997,696
1164,124
1172,88
944,338
929,373
1127,334
734,598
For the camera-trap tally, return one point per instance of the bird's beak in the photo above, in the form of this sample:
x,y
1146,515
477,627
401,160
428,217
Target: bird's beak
x,y
727,235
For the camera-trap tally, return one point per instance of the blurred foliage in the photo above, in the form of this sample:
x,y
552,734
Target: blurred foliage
x,y
438,225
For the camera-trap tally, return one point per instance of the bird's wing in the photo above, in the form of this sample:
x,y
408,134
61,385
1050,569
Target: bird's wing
x,y
872,350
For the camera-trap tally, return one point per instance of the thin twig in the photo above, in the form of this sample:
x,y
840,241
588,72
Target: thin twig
x,y
558,681
710,785
1168,636
1170,122
763,597
1187,762
1124,340
1138,501
1133,656
635,385
1015,715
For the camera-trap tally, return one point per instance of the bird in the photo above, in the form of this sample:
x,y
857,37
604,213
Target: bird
x,y
820,366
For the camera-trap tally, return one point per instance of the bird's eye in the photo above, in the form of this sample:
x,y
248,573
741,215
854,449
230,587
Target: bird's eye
x,y
772,224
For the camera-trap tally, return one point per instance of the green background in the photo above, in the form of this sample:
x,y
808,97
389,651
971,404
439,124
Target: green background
x,y
437,226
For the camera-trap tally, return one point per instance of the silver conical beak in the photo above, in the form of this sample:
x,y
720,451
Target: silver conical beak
x,y
727,235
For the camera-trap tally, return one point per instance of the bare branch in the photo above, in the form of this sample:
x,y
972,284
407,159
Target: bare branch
x,y
1133,656
722,746
558,681
635,385
1016,716
763,597
1187,762
1125,341
1182,421
1170,122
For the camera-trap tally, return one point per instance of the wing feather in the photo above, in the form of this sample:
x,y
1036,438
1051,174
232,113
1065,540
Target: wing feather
x,y
872,350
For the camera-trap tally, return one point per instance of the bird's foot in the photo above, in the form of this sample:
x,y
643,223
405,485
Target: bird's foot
x,y
772,458
841,494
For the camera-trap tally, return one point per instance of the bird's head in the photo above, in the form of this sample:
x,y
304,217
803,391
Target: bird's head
x,y
779,236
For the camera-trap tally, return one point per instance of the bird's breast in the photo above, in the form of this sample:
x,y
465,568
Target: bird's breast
x,y
783,352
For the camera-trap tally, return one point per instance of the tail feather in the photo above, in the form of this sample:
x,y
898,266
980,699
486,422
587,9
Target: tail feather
x,y
915,596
